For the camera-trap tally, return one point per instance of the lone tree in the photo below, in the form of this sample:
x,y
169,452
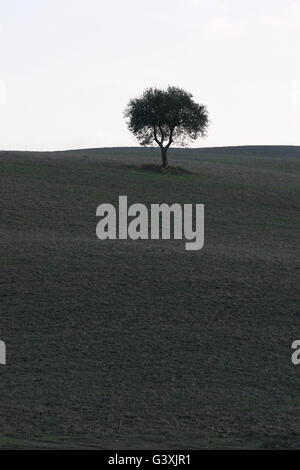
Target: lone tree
x,y
165,117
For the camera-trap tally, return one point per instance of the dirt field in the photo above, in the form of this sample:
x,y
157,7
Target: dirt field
x,y
136,345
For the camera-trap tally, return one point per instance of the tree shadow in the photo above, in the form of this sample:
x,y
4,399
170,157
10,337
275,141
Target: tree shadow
x,y
156,168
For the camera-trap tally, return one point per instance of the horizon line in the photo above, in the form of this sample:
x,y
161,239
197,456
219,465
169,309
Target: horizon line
x,y
154,148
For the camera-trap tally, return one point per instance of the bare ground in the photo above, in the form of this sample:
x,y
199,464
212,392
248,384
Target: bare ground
x,y
125,344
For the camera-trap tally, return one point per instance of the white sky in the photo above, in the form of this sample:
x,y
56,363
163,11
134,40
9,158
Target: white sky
x,y
69,67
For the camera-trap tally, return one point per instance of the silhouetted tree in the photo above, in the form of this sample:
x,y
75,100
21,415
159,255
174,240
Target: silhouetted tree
x,y
166,117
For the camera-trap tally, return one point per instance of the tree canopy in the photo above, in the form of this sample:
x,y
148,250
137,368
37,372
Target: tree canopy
x,y
165,117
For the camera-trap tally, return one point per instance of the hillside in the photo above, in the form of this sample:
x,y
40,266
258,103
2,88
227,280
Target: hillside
x,y
140,344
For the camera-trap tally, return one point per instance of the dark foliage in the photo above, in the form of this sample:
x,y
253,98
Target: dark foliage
x,y
165,117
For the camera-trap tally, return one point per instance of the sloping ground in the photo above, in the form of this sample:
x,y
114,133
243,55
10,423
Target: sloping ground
x,y
123,344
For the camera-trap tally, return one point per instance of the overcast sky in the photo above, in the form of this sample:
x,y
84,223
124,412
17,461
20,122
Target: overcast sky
x,y
69,67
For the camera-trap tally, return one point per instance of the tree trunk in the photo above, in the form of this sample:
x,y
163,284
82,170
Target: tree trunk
x,y
164,157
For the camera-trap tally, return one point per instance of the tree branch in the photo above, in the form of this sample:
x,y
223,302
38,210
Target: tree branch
x,y
170,139
162,134
155,136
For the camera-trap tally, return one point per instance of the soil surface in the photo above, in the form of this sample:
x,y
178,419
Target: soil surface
x,y
141,344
